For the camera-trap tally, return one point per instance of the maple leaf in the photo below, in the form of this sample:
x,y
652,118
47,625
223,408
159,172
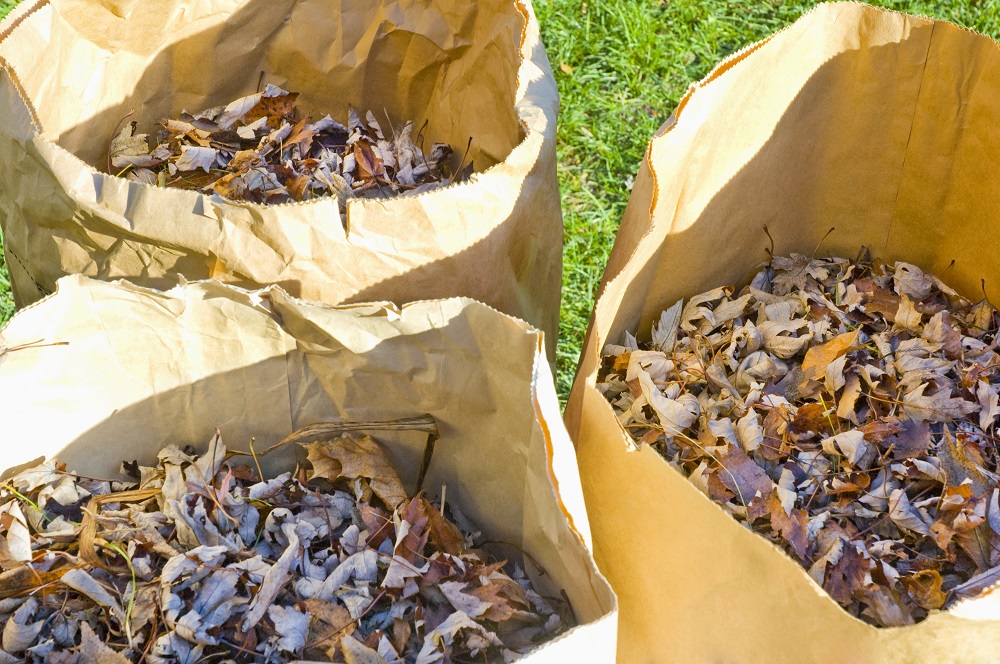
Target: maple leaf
x,y
291,625
352,456
193,158
794,273
129,148
500,608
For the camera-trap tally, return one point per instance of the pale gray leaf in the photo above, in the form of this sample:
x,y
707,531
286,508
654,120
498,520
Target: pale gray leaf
x,y
291,625
463,601
665,331
20,632
82,582
235,111
192,158
15,540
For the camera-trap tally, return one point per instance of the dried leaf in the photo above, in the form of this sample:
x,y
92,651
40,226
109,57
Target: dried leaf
x,y
793,528
291,625
462,601
93,650
443,534
904,515
850,444
237,110
193,158
819,357
20,630
15,540
665,331
741,475
352,456
82,582
749,432
879,394
356,652
925,589
937,407
847,576
909,440
128,145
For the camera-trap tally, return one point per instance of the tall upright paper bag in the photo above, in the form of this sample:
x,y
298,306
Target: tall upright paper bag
x,y
71,70
882,126
140,369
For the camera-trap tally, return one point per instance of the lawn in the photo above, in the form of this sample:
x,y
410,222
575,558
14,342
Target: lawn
x,y
621,66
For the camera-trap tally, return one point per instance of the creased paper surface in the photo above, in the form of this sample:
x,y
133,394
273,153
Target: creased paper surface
x,y
70,70
880,125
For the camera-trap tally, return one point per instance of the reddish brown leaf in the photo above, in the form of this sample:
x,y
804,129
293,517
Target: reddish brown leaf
x,y
297,187
500,609
369,165
792,528
912,440
741,475
877,431
846,578
276,109
810,420
443,534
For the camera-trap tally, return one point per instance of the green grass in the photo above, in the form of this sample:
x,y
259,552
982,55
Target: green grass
x,y
627,63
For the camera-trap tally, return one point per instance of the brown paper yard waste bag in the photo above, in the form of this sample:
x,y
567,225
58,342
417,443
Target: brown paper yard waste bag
x,y
142,368
882,126
71,70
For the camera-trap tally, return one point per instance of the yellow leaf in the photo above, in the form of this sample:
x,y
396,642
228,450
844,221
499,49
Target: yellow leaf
x,y
818,357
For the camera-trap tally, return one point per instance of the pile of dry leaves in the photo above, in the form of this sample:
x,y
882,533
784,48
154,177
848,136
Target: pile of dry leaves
x,y
845,410
201,559
257,149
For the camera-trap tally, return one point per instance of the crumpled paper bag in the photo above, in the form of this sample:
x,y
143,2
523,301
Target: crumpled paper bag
x,y
70,70
879,125
141,369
